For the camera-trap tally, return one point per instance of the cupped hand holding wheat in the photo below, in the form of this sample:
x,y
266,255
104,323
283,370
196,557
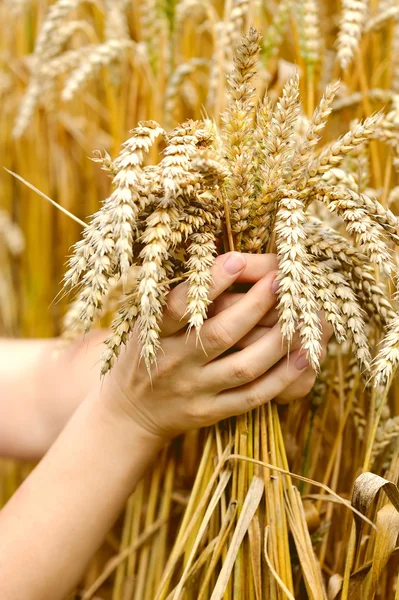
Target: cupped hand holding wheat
x,y
195,384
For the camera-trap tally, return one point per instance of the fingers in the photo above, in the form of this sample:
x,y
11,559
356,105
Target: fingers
x,y
252,337
226,270
245,366
258,265
299,389
227,299
221,332
242,399
269,321
303,386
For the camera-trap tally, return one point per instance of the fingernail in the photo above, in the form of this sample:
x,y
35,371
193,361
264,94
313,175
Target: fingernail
x,y
234,263
301,362
275,286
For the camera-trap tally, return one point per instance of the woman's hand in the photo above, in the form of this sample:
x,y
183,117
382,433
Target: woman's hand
x,y
303,385
194,382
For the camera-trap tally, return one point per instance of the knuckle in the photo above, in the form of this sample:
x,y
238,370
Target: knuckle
x,y
217,336
260,306
196,414
254,399
185,389
286,376
242,371
175,308
167,365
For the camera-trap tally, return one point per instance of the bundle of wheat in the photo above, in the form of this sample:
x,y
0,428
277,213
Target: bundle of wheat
x,y
220,516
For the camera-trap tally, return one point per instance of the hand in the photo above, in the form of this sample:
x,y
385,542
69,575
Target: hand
x,y
194,383
303,385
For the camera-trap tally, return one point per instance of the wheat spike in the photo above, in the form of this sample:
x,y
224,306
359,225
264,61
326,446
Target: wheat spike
x,y
359,224
201,250
327,299
296,290
122,328
309,32
352,21
106,252
387,359
378,21
334,153
175,82
319,119
353,317
237,127
101,56
275,167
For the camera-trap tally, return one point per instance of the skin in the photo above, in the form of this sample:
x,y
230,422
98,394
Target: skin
x,y
60,514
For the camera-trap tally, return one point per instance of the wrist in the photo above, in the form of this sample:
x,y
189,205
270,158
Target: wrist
x,y
114,410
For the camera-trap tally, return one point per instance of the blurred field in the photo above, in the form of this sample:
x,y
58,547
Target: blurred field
x,y
105,66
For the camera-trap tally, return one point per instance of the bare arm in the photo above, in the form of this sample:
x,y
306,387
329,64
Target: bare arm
x,y
58,517
40,387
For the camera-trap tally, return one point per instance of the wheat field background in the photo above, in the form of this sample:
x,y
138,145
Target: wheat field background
x,y
213,519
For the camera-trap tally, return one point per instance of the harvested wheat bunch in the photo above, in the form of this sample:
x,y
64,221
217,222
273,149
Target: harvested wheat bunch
x,y
165,219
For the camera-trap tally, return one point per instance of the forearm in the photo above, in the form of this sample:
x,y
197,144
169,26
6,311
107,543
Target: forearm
x,y
40,387
57,519
21,390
